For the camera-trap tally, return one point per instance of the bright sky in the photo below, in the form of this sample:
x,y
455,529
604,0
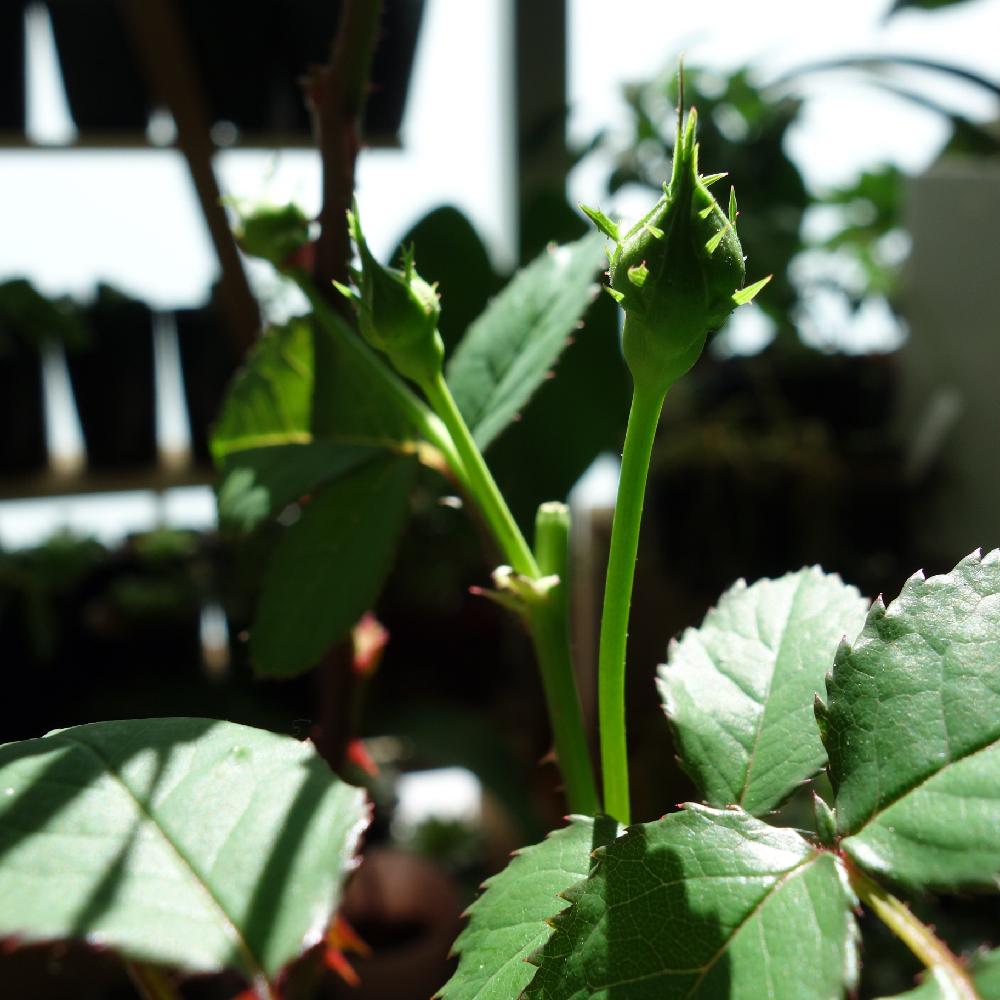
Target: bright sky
x,y
73,218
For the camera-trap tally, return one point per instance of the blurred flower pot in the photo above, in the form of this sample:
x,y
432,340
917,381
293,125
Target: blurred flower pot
x,y
105,87
113,382
408,912
12,66
22,443
208,359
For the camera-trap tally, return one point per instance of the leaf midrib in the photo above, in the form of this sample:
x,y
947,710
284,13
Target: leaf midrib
x,y
779,884
752,758
253,966
991,743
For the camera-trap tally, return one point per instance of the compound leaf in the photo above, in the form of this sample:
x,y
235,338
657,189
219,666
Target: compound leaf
x,y
912,728
509,350
329,567
309,406
510,919
702,904
182,842
739,690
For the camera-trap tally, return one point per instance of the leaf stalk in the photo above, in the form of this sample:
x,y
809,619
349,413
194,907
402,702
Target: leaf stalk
x,y
916,935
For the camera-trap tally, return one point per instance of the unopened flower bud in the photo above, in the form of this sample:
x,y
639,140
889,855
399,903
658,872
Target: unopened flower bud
x,y
277,233
397,311
678,272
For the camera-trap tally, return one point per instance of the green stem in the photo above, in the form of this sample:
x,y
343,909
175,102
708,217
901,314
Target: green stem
x,y
916,935
643,418
480,481
546,612
549,623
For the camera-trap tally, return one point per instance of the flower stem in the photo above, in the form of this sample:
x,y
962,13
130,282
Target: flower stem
x,y
480,480
916,935
549,623
643,418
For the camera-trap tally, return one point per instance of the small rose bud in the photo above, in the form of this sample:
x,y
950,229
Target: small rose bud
x,y
397,311
678,272
277,233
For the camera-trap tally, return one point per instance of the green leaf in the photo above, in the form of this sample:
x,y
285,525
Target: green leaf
x,y
912,728
277,439
329,567
739,690
270,400
703,904
511,919
510,349
183,842
922,5
359,400
258,482
985,970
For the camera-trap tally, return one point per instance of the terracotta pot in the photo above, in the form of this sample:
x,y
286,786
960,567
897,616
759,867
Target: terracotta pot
x,y
409,913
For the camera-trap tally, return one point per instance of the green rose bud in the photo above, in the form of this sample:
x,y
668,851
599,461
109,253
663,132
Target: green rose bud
x,y
397,311
277,233
678,272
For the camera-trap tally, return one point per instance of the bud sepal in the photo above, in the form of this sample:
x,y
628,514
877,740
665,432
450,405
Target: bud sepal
x,y
397,310
678,272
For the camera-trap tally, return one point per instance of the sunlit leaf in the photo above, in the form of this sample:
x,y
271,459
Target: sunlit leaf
x,y
703,904
912,728
739,690
510,349
183,842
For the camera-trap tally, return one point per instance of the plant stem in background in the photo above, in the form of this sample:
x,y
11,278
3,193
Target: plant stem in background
x,y
642,421
549,621
480,480
916,935
152,982
336,96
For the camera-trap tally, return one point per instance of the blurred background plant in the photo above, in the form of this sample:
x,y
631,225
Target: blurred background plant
x,y
784,447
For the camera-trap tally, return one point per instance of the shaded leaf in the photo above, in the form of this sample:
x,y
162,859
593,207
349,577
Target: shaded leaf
x,y
270,400
510,919
899,5
258,482
739,690
703,903
912,728
182,842
507,353
985,970
359,400
329,567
